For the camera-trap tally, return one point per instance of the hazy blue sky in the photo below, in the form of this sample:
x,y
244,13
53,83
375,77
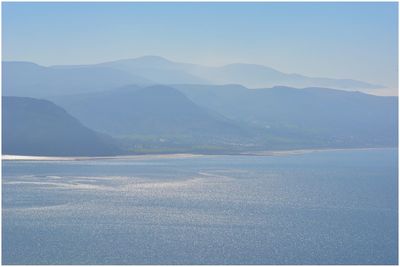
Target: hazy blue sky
x,y
338,40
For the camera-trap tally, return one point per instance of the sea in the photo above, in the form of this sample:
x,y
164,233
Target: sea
x,y
316,207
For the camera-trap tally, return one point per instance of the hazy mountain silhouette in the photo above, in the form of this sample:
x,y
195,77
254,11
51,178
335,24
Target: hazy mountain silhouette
x,y
161,70
39,127
258,76
157,69
29,79
155,110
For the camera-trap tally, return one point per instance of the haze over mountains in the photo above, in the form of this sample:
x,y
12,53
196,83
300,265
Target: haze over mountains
x,y
19,78
161,70
153,105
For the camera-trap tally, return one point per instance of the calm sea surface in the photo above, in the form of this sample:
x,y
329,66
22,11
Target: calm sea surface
x,y
332,207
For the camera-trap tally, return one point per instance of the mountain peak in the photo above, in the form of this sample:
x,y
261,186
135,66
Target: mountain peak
x,y
153,58
149,61
145,60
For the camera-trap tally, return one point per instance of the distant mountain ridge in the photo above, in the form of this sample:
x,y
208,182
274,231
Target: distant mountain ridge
x,y
32,80
259,76
249,75
29,79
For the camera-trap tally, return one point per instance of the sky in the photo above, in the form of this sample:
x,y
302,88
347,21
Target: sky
x,y
335,40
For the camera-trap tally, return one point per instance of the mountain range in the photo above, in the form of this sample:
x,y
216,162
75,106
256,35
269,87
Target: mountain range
x,y
30,79
153,105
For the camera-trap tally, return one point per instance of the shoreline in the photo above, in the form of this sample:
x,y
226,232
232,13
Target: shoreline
x,y
307,150
266,153
82,158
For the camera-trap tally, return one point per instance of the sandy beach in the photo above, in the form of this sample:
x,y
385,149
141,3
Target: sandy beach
x,y
271,153
130,157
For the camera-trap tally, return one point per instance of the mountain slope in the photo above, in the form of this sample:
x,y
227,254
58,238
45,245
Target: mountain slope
x,y
38,127
336,118
155,110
